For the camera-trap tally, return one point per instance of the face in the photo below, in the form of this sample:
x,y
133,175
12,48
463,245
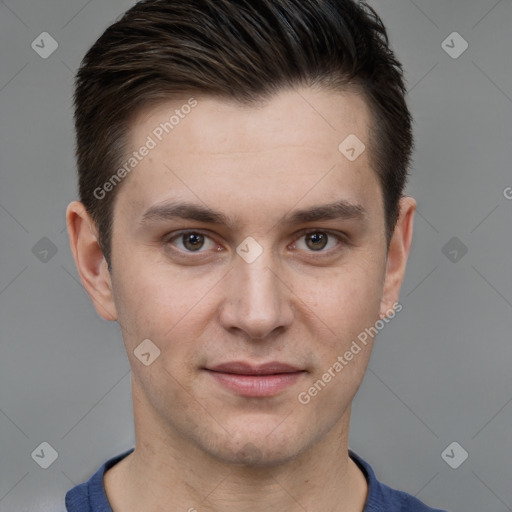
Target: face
x,y
251,251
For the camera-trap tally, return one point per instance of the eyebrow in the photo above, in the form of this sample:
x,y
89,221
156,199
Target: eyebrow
x,y
190,211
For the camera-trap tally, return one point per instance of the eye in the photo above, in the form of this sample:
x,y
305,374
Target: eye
x,y
191,241
317,241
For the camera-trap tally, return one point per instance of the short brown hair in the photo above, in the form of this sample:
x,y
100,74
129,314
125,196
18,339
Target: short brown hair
x,y
244,50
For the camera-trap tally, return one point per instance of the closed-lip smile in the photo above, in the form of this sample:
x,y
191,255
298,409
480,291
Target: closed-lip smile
x,y
255,380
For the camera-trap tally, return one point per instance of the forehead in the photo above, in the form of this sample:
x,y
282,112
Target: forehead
x,y
300,115
214,151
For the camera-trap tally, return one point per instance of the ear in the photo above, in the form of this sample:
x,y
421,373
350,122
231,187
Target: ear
x,y
398,253
89,260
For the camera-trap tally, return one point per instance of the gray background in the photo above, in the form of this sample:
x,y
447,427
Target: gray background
x,y
440,372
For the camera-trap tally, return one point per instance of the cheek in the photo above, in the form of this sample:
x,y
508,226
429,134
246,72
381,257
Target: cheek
x,y
343,308
167,310
346,298
149,301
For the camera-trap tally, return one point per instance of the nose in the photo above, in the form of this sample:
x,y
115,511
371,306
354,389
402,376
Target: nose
x,y
257,299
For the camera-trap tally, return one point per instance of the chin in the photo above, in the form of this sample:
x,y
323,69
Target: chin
x,y
261,450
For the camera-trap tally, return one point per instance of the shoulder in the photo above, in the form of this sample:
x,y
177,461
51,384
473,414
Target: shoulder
x,y
90,496
382,498
77,498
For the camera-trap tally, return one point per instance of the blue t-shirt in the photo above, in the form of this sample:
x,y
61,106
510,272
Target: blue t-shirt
x,y
91,497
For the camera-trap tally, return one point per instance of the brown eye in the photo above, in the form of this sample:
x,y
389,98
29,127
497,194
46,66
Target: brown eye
x,y
321,242
192,241
317,240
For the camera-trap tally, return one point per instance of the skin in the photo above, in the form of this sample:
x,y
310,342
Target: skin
x,y
199,445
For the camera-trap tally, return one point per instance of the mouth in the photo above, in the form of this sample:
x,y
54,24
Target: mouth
x,y
250,380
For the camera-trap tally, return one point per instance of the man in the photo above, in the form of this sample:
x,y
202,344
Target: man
x,y
241,171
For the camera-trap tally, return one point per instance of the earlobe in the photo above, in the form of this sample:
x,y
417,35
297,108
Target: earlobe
x,y
89,260
398,254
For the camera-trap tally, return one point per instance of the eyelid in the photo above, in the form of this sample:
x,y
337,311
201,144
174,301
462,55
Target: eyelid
x,y
334,233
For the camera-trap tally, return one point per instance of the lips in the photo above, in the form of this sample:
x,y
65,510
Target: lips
x,y
250,380
241,368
